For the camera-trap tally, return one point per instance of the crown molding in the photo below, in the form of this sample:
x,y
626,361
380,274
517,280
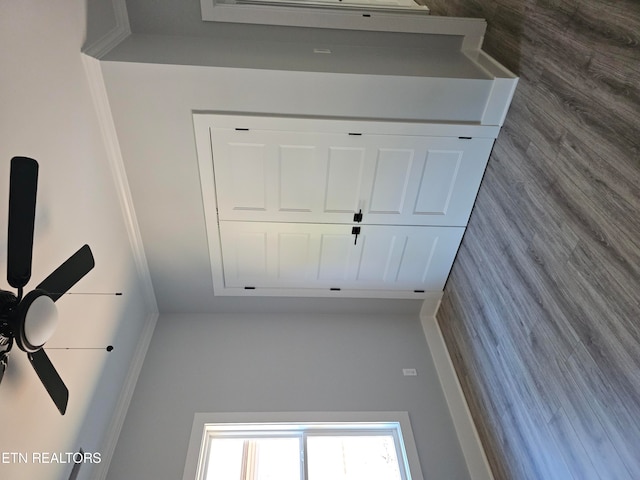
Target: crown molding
x,y
112,145
124,399
117,34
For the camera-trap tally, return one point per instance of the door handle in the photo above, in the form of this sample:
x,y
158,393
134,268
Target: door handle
x,y
357,217
355,231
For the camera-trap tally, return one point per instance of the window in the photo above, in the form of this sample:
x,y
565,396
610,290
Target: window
x,y
395,5
322,447
373,15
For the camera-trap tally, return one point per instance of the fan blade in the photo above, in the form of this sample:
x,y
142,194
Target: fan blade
x,y
22,212
3,364
50,379
68,274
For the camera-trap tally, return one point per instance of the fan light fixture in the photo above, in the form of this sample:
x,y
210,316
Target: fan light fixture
x,y
31,320
37,320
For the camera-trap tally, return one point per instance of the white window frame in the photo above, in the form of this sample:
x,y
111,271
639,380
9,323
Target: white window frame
x,y
305,14
211,425
380,20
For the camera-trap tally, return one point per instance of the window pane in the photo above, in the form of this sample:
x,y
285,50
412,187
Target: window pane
x,y
225,459
352,458
257,458
278,459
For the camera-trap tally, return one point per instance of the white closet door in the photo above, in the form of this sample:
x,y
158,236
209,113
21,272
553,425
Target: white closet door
x,y
424,180
405,258
287,176
288,255
300,255
327,177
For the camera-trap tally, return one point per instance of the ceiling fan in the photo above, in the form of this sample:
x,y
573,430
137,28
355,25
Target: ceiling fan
x,y
31,319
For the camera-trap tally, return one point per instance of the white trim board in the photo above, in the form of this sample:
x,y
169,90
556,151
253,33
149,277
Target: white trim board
x,y
205,119
203,123
351,19
472,448
112,146
124,399
117,34
430,305
502,89
198,430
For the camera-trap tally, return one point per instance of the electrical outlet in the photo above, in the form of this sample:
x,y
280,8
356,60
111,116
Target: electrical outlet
x,y
409,372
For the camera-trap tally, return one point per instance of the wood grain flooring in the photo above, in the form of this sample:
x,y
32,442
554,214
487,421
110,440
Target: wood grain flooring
x,y
541,313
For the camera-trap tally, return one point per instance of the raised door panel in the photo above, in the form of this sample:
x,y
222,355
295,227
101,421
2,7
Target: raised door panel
x,y
320,256
286,255
393,170
248,257
319,177
289,176
425,180
406,258
242,178
296,178
450,179
341,191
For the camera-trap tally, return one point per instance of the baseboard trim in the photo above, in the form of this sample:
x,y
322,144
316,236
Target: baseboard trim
x,y
116,35
430,304
113,433
472,448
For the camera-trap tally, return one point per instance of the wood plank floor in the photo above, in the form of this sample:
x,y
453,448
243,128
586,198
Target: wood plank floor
x,y
542,310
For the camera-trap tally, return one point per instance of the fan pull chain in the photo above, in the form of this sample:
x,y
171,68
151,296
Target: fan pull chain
x,y
109,348
117,294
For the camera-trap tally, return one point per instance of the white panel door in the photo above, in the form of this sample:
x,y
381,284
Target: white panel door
x,y
405,258
287,255
424,180
319,177
300,255
287,176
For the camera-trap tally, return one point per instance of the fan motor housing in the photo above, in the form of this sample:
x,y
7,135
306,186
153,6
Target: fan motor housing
x,y
8,302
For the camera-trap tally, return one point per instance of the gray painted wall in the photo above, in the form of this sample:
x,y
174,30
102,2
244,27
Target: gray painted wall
x,y
183,18
95,433
152,107
281,362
